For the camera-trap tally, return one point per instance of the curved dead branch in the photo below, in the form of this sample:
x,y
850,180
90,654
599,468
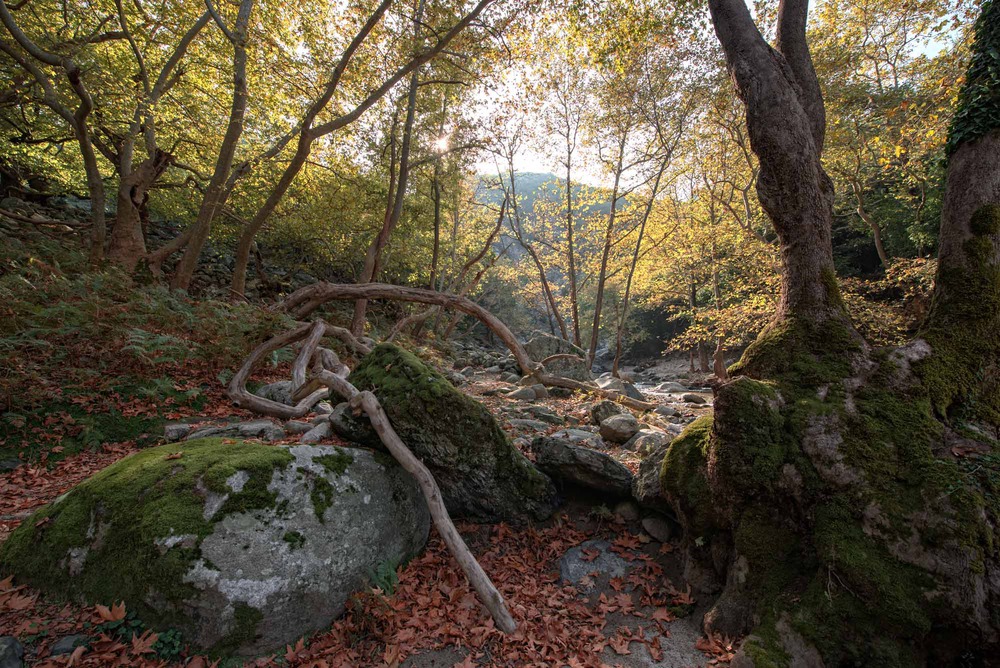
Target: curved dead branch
x,y
305,300
318,371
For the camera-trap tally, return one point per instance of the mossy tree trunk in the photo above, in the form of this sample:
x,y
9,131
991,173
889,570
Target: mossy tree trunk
x,y
843,504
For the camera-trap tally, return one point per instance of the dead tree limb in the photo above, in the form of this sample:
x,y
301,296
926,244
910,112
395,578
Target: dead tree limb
x,y
328,372
304,301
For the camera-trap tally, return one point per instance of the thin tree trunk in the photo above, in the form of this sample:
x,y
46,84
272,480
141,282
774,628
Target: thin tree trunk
x,y
872,224
602,275
217,192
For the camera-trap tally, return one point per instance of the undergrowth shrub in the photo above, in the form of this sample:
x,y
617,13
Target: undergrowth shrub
x,y
104,359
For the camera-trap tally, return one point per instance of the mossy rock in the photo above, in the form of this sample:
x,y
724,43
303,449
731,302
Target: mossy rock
x,y
241,546
828,507
482,476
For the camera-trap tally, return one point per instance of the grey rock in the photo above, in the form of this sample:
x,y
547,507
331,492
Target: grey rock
x,y
261,429
647,440
619,428
540,391
581,466
176,431
542,345
633,392
523,394
544,414
67,644
665,411
575,565
658,528
280,391
298,426
627,510
11,652
7,465
511,378
693,398
602,410
492,369
457,379
669,387
317,434
356,429
482,476
609,382
323,407
582,437
612,384
292,565
646,488
528,425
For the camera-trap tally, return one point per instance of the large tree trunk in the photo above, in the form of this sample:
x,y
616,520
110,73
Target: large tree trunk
x,y
128,244
840,506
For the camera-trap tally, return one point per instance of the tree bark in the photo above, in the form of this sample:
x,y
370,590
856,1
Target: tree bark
x,y
217,192
602,275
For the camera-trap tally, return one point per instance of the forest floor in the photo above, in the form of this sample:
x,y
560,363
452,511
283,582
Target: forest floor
x,y
632,610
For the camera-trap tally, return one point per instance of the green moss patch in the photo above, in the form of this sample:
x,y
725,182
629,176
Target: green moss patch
x,y
481,475
133,530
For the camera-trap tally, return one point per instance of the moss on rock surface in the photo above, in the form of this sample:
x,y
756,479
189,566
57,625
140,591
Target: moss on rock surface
x,y
825,506
135,527
224,540
481,475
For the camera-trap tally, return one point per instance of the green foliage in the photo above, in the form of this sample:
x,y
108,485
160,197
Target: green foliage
x,y
385,577
978,111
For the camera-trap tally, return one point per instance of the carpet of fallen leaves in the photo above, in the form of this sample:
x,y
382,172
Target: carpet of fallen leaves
x,y
433,606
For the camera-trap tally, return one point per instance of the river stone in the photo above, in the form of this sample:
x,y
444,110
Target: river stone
x,y
612,384
542,345
602,410
587,439
646,488
67,644
619,428
280,391
694,398
576,564
581,466
482,476
647,440
243,547
11,652
523,394
263,429
354,428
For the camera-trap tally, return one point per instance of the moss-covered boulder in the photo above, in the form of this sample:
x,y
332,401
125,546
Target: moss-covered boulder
x,y
243,547
481,474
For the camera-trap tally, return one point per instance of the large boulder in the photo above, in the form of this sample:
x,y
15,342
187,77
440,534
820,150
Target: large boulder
x,y
482,476
581,466
243,547
542,345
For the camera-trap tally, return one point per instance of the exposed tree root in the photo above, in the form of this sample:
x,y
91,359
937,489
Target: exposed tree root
x,y
318,371
304,301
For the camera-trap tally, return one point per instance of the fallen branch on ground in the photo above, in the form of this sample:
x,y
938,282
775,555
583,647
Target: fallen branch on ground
x,y
316,372
304,301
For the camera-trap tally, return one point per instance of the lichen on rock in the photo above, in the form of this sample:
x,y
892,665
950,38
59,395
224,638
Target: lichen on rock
x,y
223,540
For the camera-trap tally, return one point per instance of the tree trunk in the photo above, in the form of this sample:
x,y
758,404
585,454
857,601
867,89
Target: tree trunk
x,y
871,222
128,245
218,190
595,332
830,504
